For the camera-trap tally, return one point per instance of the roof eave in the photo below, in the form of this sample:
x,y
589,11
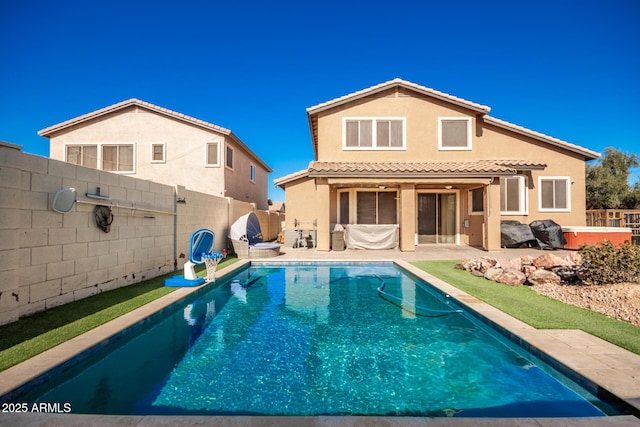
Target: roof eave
x,y
588,154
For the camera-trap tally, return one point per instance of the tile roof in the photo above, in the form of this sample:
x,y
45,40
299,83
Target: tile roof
x,y
589,154
481,109
402,83
291,177
479,168
133,102
420,169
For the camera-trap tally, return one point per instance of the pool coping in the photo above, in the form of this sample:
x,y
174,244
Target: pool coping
x,y
608,368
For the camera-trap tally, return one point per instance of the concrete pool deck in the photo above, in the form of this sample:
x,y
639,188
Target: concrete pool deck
x,y
609,368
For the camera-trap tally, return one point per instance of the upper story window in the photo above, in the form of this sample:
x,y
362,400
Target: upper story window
x,y
554,194
83,155
158,152
369,133
252,173
229,157
513,195
454,133
117,157
108,157
212,155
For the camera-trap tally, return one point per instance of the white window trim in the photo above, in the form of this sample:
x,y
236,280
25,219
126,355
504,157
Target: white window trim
x,y
469,146
374,134
83,144
252,173
105,144
206,154
164,152
567,180
233,156
470,202
524,197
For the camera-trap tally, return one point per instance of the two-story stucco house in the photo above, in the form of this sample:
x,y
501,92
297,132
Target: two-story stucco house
x,y
150,142
436,167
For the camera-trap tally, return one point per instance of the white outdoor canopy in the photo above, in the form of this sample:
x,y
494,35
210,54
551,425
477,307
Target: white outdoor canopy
x,y
247,227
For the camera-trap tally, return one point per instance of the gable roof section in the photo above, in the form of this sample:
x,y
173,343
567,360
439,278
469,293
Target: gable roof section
x,y
314,110
133,102
588,154
483,110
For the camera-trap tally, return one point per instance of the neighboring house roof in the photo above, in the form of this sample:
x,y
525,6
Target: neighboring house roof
x,y
277,207
133,102
479,168
312,114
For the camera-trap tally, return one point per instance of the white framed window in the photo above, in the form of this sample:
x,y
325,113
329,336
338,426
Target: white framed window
x,y
212,154
158,154
476,201
554,194
513,195
229,157
454,133
118,158
252,172
374,133
83,155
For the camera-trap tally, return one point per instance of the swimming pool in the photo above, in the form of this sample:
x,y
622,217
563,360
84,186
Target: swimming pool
x,y
313,339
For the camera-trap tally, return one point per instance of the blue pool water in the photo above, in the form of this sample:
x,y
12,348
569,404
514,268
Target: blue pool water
x,y
317,339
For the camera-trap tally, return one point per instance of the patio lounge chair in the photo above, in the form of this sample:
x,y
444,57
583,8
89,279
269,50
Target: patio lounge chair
x,y
246,238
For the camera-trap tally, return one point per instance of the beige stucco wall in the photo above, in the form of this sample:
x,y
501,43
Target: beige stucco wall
x,y
185,146
488,142
48,259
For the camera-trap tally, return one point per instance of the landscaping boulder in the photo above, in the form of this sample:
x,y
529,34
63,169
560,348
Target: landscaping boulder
x,y
528,269
549,261
543,277
512,278
493,274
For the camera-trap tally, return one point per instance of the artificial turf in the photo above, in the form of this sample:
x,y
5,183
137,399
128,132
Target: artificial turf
x,y
539,311
41,331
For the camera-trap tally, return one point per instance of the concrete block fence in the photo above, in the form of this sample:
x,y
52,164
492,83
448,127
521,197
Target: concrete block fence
x,y
48,259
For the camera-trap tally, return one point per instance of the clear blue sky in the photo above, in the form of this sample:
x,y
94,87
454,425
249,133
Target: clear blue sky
x,y
569,69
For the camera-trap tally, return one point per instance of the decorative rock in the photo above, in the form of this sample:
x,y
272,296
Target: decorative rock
x,y
528,269
477,273
461,265
574,258
543,277
527,260
512,278
493,274
549,261
486,263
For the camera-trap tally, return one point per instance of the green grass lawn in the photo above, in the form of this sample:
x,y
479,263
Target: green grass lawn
x,y
539,311
41,331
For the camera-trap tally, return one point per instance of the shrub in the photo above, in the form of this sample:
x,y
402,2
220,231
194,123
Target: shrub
x,y
604,263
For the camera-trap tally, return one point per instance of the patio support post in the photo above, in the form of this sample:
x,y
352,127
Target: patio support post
x,y
323,232
407,217
492,216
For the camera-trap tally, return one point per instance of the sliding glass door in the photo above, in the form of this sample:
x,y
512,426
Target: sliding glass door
x,y
436,218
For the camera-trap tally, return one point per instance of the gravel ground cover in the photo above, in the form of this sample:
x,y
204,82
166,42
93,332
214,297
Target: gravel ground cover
x,y
620,301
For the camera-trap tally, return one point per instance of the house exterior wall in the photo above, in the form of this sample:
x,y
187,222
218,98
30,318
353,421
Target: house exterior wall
x,y
488,142
185,153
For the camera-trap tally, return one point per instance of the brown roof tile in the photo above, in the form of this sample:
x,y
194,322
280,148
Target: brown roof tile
x,y
427,169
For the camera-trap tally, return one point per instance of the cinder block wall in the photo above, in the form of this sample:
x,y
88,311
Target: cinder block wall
x,y
48,259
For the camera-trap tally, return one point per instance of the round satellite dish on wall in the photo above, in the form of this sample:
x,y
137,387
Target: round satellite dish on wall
x,y
64,200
